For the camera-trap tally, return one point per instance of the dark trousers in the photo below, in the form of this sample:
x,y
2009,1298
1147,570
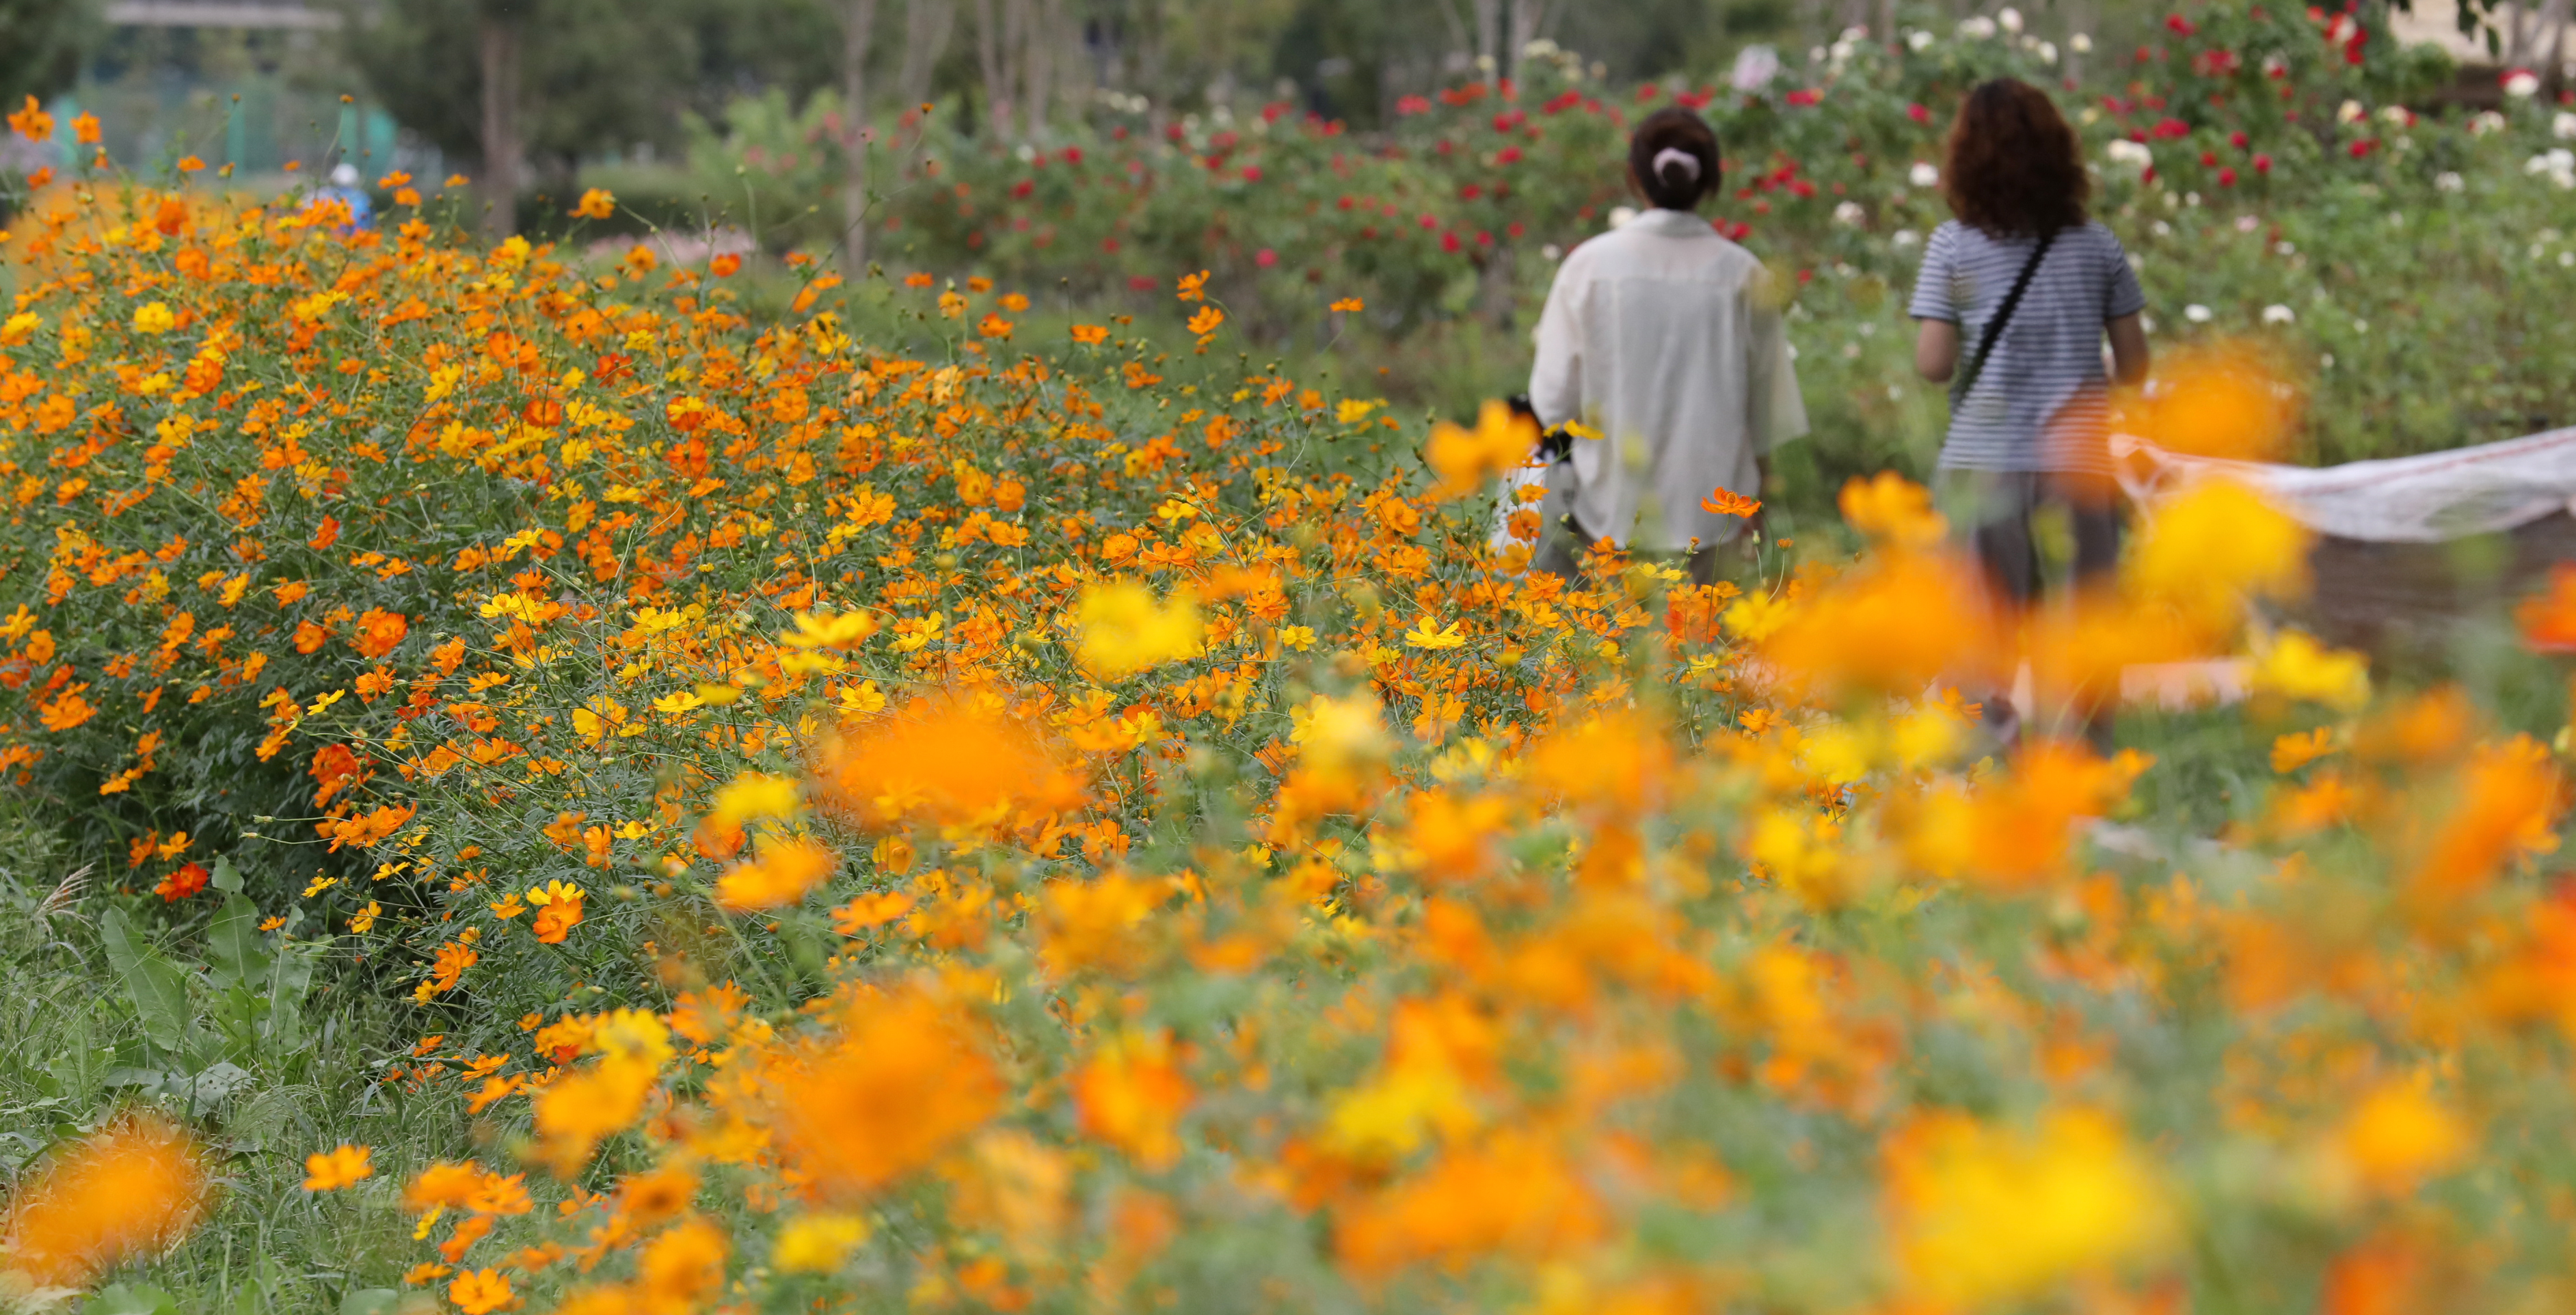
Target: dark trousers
x,y
1997,510
2000,513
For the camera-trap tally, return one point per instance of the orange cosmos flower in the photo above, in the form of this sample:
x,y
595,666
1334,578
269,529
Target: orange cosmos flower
x,y
1616,763
1893,626
32,122
1727,502
1893,510
596,203
558,911
1465,459
179,885
725,266
1132,1097
941,760
2219,400
331,1170
2548,621
1193,287
781,874
137,1186
85,128
1512,1195
379,631
905,1080
1091,335
683,1267
480,1292
994,326
2508,800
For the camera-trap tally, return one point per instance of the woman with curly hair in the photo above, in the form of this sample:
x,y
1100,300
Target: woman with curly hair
x,y
2029,287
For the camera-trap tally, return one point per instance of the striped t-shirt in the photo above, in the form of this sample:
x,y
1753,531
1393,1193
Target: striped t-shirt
x,y
2041,402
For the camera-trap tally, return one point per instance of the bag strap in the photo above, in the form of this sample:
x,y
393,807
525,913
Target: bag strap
x,y
2003,315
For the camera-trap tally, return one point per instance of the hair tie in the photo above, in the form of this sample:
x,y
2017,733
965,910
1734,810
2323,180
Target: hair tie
x,y
1688,161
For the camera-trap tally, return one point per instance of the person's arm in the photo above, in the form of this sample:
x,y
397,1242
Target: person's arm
x,y
1936,335
2128,350
1556,371
1936,350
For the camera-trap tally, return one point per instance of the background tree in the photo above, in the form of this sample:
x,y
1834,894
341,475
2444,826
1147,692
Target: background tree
x,y
528,89
42,44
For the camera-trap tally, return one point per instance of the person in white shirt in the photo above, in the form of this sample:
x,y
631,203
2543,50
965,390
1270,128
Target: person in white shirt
x,y
1665,339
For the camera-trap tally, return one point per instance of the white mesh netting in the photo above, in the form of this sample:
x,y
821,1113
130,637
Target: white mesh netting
x,y
2419,499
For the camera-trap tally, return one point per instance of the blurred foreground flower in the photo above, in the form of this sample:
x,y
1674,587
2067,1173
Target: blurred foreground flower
x,y
941,760
1981,1214
902,1081
137,1186
2549,620
1467,459
2221,400
1124,631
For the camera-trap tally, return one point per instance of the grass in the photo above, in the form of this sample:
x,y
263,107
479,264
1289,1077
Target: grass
x,y
74,1050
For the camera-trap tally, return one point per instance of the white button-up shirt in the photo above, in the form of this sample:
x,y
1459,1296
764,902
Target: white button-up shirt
x,y
1665,338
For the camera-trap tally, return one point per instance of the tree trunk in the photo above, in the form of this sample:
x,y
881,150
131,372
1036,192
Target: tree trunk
x,y
1037,64
926,27
858,29
501,149
1529,21
2553,21
992,56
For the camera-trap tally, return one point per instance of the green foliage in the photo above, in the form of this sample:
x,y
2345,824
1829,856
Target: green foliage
x,y
42,44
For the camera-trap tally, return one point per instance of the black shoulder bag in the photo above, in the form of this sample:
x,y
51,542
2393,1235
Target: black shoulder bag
x,y
2003,315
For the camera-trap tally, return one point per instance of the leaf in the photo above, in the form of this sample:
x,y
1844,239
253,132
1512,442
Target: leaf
x,y
239,958
160,996
226,877
131,1299
288,979
216,1083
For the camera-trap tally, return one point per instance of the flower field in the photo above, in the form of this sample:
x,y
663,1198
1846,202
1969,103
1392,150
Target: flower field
x,y
598,800
2263,165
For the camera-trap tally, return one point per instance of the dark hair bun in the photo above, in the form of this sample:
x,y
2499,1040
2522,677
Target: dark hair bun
x,y
1674,181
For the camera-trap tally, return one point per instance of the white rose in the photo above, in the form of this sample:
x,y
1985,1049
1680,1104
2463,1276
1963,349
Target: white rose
x,y
2048,52
2080,43
2396,114
2563,127
2521,83
2278,314
1620,215
2349,111
1917,40
1905,237
2448,181
2484,122
1978,28
1923,174
2196,313
2009,19
2123,151
1848,214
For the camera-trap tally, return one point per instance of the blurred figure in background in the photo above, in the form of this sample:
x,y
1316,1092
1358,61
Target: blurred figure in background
x,y
2031,286
346,190
1665,339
